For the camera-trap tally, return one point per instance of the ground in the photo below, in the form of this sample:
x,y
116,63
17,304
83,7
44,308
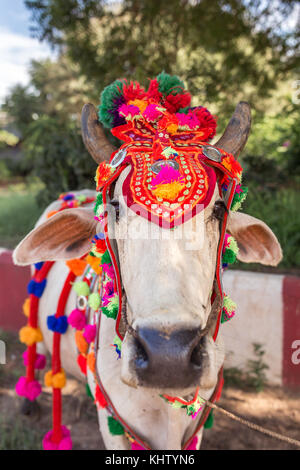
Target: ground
x,y
272,408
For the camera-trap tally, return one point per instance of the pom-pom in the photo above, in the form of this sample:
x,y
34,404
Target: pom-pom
x,y
228,310
36,288
57,380
117,343
26,307
81,361
57,324
111,311
230,250
209,421
91,361
94,301
88,391
100,398
30,336
111,99
64,444
81,343
38,265
136,446
90,333
40,360
239,197
77,319
193,444
81,288
30,390
106,259
169,84
109,270
77,266
115,428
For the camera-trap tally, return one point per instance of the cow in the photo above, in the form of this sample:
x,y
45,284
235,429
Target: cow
x,y
168,289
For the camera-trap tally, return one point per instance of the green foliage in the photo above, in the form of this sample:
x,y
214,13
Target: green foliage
x,y
227,49
18,213
279,209
7,139
58,157
253,376
256,368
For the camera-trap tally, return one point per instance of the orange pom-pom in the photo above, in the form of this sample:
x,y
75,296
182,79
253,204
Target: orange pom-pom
x,y
77,266
59,380
26,307
91,361
81,343
95,264
29,335
48,378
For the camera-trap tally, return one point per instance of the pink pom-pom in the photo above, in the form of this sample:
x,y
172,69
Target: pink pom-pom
x,y
152,112
89,333
64,444
109,270
193,444
40,360
128,110
30,390
136,446
77,319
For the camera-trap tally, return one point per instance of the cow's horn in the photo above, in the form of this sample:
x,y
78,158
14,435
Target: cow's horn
x,y
93,135
237,131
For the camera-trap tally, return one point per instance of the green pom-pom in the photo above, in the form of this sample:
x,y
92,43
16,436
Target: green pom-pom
x,y
81,198
109,96
111,310
229,256
169,84
94,301
106,259
81,288
210,420
88,391
115,428
239,198
99,203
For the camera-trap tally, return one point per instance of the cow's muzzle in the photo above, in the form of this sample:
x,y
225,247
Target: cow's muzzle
x,y
167,359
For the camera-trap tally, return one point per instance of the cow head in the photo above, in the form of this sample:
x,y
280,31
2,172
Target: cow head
x,y
168,280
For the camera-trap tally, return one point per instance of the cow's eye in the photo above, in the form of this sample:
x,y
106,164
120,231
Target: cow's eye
x,y
116,206
219,210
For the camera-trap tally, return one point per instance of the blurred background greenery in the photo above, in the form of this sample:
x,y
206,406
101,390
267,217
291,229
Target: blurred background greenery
x,y
225,51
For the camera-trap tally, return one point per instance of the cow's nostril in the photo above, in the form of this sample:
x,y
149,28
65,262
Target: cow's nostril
x,y
141,359
197,353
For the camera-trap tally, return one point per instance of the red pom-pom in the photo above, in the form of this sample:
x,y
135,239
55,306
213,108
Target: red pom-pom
x,y
81,361
133,91
174,102
100,398
153,92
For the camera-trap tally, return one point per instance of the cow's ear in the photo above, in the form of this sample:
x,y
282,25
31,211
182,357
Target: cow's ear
x,y
256,241
65,235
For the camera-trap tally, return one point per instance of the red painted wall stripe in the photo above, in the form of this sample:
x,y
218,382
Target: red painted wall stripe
x,y
13,292
291,330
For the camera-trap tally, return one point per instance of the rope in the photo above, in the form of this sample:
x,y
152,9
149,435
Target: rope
x,y
255,427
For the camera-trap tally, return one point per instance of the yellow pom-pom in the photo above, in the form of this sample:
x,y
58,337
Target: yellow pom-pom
x,y
29,335
48,378
26,307
168,191
59,380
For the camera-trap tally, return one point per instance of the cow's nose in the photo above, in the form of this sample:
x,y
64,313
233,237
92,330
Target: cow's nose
x,y
168,360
